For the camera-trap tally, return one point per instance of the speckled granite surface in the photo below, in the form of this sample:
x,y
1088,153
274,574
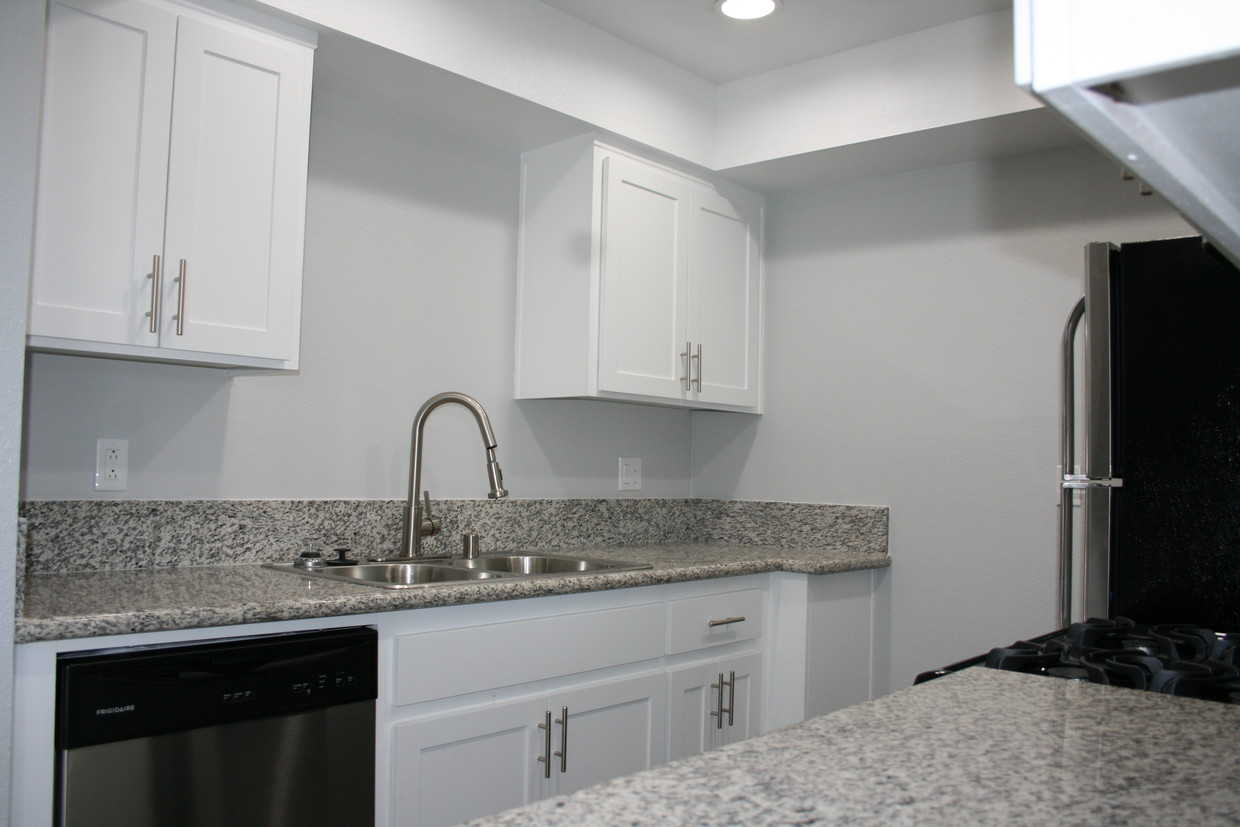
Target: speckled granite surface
x,y
19,584
63,605
99,535
978,747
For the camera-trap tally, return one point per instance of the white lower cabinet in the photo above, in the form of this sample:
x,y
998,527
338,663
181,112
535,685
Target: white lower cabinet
x,y
712,704
451,768
466,692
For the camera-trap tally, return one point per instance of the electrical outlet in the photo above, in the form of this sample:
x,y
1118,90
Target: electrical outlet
x,y
630,474
111,464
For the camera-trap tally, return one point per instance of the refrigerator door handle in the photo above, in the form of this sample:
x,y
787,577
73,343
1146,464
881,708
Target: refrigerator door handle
x,y
1073,481
1067,441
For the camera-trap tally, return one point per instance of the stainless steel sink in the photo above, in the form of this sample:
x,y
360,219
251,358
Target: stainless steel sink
x,y
532,564
403,575
407,574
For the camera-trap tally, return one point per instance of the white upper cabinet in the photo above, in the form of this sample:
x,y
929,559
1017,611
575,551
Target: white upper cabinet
x,y
172,180
638,283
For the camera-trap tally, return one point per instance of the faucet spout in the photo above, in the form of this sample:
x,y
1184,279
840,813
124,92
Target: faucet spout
x,y
419,522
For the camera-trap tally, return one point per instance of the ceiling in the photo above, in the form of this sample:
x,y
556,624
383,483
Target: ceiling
x,y
690,34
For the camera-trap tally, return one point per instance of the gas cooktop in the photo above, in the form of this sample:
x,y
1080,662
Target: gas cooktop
x,y
1173,659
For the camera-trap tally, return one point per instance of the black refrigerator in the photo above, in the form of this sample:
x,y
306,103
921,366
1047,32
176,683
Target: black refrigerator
x,y
1157,416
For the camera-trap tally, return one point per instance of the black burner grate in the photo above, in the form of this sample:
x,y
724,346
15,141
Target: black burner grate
x,y
1173,659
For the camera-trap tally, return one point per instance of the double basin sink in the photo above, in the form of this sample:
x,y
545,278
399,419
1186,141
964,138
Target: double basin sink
x,y
406,574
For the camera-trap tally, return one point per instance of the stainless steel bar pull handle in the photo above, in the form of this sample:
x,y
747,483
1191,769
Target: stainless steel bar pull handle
x,y
717,712
545,758
698,358
157,286
562,754
731,684
1067,446
726,621
180,316
685,381
1074,481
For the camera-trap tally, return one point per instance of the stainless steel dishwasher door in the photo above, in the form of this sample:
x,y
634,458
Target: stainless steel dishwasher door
x,y
306,768
264,731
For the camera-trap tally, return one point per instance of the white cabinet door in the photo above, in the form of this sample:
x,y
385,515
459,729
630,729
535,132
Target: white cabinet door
x,y
172,178
724,300
473,763
643,276
103,165
692,704
637,283
743,679
483,760
700,697
614,729
236,184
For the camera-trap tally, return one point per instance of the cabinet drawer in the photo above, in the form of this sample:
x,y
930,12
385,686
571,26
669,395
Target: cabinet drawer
x,y
453,662
700,622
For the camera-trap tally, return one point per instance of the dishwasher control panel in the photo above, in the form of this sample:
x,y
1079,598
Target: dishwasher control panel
x,y
120,694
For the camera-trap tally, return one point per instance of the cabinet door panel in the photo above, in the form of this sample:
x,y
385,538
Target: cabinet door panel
x,y
453,768
102,167
695,699
643,289
690,703
614,729
237,165
745,698
724,299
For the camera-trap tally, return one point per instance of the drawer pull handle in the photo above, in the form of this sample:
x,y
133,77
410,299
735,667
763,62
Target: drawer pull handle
x,y
731,707
726,621
545,758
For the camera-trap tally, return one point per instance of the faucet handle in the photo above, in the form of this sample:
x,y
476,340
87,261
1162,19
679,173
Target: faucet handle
x,y
429,525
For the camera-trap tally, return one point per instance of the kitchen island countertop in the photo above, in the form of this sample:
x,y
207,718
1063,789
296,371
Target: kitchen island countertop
x,y
980,746
66,605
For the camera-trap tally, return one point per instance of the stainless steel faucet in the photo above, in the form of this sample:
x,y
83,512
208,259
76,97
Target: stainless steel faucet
x,y
419,522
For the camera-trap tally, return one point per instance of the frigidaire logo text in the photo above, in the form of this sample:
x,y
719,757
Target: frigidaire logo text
x,y
113,710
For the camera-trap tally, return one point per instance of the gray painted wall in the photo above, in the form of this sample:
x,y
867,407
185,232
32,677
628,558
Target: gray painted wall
x,y
409,288
912,361
912,326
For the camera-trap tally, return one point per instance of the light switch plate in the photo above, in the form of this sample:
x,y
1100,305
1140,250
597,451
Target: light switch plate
x,y
630,474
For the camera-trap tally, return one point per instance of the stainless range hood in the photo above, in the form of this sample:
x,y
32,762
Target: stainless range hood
x,y
1154,84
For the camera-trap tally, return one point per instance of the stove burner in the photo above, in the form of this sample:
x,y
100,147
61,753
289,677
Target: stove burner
x,y
1173,659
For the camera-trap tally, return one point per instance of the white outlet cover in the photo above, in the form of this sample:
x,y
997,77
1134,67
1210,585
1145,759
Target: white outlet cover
x,y
111,464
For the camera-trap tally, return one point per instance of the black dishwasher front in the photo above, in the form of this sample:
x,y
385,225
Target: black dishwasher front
x,y
265,731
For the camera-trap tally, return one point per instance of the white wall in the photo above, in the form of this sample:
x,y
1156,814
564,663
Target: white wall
x,y
951,74
912,338
409,290
21,63
540,54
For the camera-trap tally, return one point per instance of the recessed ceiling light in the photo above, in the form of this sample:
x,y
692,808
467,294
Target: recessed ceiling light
x,y
746,9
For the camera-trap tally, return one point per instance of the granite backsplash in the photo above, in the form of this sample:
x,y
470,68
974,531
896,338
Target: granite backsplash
x,y
94,535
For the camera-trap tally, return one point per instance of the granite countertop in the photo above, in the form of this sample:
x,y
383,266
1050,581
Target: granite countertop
x,y
60,606
980,746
